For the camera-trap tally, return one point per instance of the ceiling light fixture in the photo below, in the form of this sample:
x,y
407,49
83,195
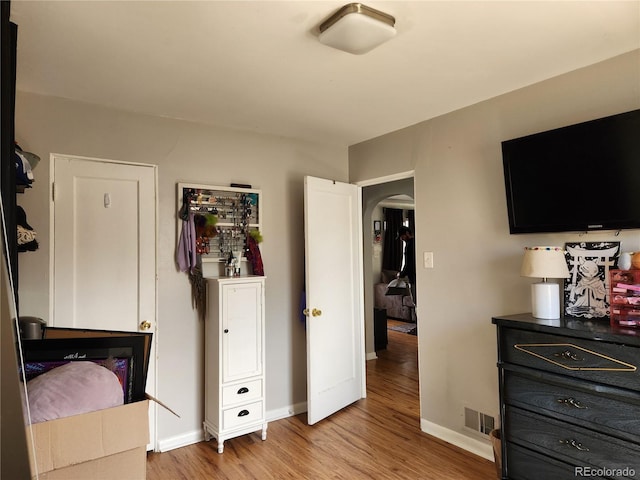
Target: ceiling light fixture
x,y
356,28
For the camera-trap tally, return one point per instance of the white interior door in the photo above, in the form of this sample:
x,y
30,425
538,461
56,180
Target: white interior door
x,y
335,314
104,250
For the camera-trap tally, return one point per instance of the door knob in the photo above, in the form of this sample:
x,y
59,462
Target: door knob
x,y
316,313
146,325
305,312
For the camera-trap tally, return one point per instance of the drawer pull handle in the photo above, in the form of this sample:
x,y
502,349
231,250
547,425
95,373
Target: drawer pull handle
x,y
568,355
575,444
243,390
572,402
243,413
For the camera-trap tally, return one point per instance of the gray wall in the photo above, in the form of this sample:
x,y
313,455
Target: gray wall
x,y
187,152
461,216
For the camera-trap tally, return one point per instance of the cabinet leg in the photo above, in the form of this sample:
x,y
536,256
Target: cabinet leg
x,y
264,432
220,446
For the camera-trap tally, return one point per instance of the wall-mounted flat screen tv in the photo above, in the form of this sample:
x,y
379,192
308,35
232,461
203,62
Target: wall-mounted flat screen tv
x,y
577,178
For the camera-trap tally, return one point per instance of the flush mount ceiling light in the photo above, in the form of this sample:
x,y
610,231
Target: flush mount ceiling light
x,y
356,28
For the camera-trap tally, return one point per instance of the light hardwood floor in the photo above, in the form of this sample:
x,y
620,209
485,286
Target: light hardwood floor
x,y
378,437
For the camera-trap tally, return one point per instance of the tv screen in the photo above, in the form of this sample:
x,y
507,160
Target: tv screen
x,y
576,178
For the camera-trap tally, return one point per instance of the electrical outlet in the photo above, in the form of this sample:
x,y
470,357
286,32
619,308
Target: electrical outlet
x,y
428,259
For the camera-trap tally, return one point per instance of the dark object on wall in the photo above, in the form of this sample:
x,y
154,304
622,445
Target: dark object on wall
x,y
380,328
576,178
8,42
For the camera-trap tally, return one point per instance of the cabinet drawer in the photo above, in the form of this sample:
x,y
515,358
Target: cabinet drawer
x,y
241,392
597,361
528,465
242,415
571,444
587,406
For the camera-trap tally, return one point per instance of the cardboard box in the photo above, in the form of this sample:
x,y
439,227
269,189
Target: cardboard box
x,y
105,444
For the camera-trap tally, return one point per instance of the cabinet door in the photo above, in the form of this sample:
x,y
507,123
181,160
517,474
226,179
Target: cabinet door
x,y
241,331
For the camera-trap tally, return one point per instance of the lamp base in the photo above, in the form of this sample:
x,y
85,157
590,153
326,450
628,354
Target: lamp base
x,y
545,300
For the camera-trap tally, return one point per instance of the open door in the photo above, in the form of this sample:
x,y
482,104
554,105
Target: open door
x,y
335,314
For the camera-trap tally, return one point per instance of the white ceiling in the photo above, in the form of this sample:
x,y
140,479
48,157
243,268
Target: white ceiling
x,y
257,65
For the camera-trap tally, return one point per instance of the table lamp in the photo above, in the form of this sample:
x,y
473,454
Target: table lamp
x,y
545,263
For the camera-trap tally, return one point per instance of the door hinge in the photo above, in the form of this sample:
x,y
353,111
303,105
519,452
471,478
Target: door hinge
x,y
53,192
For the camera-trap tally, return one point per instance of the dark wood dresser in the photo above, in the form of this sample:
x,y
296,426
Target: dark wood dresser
x,y
569,398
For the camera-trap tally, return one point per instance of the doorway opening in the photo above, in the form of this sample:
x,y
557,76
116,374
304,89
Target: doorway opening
x,y
397,194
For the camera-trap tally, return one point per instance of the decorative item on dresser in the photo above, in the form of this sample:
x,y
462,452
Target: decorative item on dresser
x,y
234,358
569,398
586,289
624,292
545,263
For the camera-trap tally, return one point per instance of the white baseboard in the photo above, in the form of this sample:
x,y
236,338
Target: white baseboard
x,y
198,436
371,356
290,411
478,447
180,441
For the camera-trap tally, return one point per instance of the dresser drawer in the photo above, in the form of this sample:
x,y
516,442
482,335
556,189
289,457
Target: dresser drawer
x,y
580,403
597,361
241,392
242,415
528,465
571,444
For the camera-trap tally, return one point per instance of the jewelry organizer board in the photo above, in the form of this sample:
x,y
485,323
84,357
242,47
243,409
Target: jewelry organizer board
x,y
238,212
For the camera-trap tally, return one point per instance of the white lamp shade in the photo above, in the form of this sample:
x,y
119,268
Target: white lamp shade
x,y
357,29
544,262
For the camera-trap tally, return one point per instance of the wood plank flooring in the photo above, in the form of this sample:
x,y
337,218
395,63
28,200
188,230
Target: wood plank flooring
x,y
378,437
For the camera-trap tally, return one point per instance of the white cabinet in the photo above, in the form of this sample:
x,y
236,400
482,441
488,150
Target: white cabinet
x,y
234,358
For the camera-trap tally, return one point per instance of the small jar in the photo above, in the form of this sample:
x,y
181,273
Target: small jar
x,y
624,261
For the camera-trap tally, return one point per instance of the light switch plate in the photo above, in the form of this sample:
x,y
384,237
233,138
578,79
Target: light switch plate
x,y
428,259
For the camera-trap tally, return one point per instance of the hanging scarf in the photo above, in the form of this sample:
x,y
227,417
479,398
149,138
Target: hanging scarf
x,y
187,256
254,257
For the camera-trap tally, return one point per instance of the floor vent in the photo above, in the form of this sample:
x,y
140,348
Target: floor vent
x,y
478,422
